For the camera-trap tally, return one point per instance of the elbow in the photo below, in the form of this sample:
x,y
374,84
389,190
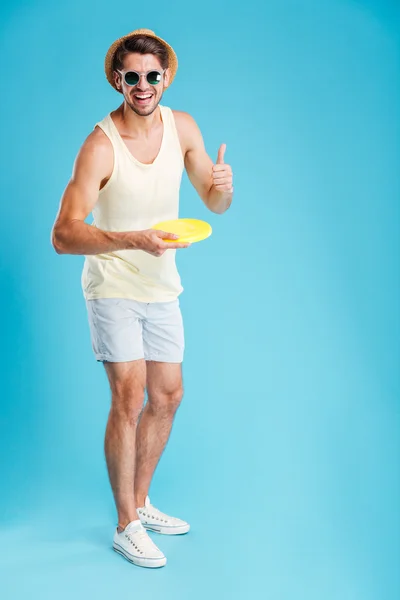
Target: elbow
x,y
56,242
220,210
218,203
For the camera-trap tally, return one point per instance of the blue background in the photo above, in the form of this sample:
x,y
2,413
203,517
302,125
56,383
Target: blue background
x,y
284,455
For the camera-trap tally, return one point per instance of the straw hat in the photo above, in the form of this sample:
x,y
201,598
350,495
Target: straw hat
x,y
172,58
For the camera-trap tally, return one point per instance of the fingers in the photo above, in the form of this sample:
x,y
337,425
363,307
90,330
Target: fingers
x,y
222,176
221,170
221,152
224,188
165,235
175,245
168,246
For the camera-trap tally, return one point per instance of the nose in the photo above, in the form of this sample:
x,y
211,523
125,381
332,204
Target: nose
x,y
142,83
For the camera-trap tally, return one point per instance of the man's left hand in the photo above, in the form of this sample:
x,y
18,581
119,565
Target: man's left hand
x,y
222,173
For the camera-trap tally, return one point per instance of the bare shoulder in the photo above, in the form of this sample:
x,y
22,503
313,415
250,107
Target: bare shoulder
x,y
95,154
97,143
188,130
184,120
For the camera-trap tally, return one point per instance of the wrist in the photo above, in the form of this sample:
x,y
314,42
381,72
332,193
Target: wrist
x,y
134,240
126,240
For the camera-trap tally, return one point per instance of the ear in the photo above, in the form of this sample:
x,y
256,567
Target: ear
x,y
117,80
166,78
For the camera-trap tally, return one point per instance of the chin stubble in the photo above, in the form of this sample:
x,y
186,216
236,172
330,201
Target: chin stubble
x,y
144,114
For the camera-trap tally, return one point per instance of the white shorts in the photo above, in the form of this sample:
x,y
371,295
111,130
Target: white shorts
x,y
123,330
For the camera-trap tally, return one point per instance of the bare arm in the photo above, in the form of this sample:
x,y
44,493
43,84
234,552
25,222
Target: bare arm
x,y
203,174
71,235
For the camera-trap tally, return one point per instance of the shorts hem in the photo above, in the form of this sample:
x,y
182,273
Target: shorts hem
x,y
104,357
164,358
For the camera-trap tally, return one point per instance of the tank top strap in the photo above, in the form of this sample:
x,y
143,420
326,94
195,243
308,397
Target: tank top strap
x,y
107,125
170,130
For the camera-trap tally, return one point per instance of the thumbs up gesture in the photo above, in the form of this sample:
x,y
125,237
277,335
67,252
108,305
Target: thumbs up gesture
x,y
222,173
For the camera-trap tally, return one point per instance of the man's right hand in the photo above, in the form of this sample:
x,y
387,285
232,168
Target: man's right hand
x,y
152,241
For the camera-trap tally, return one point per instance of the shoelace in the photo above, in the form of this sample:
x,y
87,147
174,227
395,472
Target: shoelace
x,y
159,516
141,537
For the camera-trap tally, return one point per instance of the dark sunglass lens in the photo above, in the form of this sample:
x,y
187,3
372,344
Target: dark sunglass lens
x,y
154,77
131,78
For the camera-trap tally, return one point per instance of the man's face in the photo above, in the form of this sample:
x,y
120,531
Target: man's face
x,y
142,98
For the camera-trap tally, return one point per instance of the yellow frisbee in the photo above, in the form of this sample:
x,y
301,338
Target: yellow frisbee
x,y
189,230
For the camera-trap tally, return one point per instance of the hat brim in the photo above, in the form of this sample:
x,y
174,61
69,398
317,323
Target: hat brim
x,y
172,58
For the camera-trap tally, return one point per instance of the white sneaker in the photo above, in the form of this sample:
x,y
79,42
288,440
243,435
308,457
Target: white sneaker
x,y
154,520
135,544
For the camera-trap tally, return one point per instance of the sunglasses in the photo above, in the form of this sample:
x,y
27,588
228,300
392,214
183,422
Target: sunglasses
x,y
132,78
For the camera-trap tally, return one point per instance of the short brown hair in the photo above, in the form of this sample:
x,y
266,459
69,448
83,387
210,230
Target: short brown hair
x,y
141,44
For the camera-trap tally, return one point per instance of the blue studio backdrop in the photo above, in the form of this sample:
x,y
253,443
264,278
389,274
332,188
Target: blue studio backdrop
x,y
284,455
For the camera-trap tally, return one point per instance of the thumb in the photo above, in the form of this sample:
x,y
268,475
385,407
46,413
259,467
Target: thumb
x,y
221,152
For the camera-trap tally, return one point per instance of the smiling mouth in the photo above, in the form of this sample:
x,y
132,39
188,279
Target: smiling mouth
x,y
143,98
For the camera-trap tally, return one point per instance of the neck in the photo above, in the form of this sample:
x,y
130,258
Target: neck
x,y
136,124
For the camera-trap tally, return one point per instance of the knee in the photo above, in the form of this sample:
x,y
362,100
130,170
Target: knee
x,y
166,402
127,404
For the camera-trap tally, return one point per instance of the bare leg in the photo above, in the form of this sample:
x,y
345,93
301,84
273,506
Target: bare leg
x,y
165,391
127,382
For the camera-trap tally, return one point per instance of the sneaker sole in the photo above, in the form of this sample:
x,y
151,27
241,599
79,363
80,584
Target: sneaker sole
x,y
177,530
152,563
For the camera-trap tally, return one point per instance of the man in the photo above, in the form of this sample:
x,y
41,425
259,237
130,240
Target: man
x,y
128,173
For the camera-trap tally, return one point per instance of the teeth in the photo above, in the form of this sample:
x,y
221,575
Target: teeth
x,y
143,96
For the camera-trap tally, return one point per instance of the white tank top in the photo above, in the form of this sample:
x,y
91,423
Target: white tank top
x,y
136,197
